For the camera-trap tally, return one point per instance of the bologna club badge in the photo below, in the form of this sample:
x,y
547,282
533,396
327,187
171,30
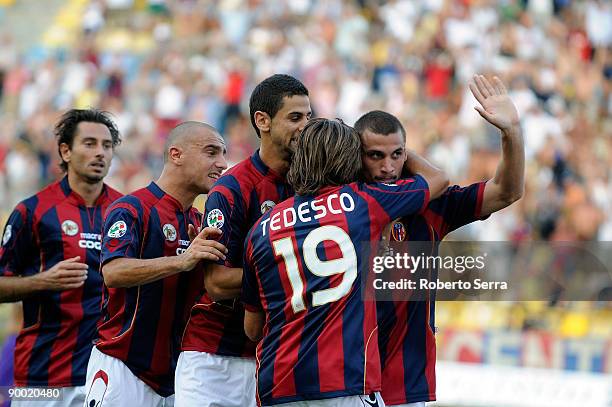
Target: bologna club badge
x,y
398,232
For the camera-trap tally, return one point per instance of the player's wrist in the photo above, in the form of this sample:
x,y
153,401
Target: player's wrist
x,y
36,282
513,130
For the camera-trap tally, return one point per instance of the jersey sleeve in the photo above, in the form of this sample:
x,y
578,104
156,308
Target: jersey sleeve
x,y
459,206
122,233
224,211
250,287
17,242
402,198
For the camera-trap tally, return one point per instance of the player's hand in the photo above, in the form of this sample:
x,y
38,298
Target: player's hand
x,y
192,232
496,106
65,275
203,247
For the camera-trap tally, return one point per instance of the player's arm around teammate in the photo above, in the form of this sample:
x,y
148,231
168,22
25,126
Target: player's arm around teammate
x,y
129,272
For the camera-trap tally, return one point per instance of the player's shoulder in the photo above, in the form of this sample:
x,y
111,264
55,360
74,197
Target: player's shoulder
x,y
44,200
111,193
133,202
238,180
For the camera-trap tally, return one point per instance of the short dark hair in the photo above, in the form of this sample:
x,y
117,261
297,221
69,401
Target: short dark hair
x,y
268,95
379,122
65,129
328,153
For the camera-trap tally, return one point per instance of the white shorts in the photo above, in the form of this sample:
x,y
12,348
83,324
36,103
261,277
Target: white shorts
x,y
206,380
373,400
71,397
111,383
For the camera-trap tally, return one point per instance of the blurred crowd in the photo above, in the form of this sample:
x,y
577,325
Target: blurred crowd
x,y
154,63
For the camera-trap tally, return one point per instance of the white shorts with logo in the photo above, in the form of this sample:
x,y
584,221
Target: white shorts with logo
x,y
111,383
70,397
372,400
206,380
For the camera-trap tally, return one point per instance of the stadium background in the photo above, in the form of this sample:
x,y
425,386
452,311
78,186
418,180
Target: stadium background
x,y
154,63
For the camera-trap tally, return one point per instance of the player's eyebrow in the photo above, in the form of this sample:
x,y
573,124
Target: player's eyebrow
x,y
88,139
215,147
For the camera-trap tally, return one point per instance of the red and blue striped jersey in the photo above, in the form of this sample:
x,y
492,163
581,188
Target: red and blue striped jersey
x,y
142,325
238,199
406,328
59,327
301,267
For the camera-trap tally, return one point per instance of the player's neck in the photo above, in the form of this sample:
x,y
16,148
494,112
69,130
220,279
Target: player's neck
x,y
176,189
273,159
86,190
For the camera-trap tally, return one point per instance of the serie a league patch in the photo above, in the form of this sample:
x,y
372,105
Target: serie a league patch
x,y
215,219
118,230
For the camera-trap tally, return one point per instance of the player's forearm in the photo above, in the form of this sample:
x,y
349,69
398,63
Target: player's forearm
x,y
13,289
435,177
222,283
253,325
128,272
509,182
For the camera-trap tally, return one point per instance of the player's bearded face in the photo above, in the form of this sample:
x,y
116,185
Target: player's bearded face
x,y
287,124
91,153
383,156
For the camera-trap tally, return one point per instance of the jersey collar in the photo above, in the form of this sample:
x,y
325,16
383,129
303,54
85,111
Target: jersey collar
x,y
160,194
261,167
70,194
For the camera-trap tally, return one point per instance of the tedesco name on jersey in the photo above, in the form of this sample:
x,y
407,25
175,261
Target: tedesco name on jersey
x,y
334,204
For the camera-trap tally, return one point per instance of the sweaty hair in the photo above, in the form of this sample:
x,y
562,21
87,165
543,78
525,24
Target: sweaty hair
x,y
379,122
268,96
182,131
66,128
328,153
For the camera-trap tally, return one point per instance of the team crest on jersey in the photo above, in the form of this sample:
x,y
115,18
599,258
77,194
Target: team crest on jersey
x,y
169,232
8,232
398,232
266,206
215,219
70,227
117,230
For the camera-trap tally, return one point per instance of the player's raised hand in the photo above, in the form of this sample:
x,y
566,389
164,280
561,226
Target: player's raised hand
x,y
65,275
496,106
203,247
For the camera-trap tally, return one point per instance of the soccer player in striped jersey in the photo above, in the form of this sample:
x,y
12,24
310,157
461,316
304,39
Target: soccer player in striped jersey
x,y
302,287
150,275
406,328
217,366
49,259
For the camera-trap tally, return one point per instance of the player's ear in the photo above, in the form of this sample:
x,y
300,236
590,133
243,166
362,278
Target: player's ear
x,y
175,154
262,121
65,152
